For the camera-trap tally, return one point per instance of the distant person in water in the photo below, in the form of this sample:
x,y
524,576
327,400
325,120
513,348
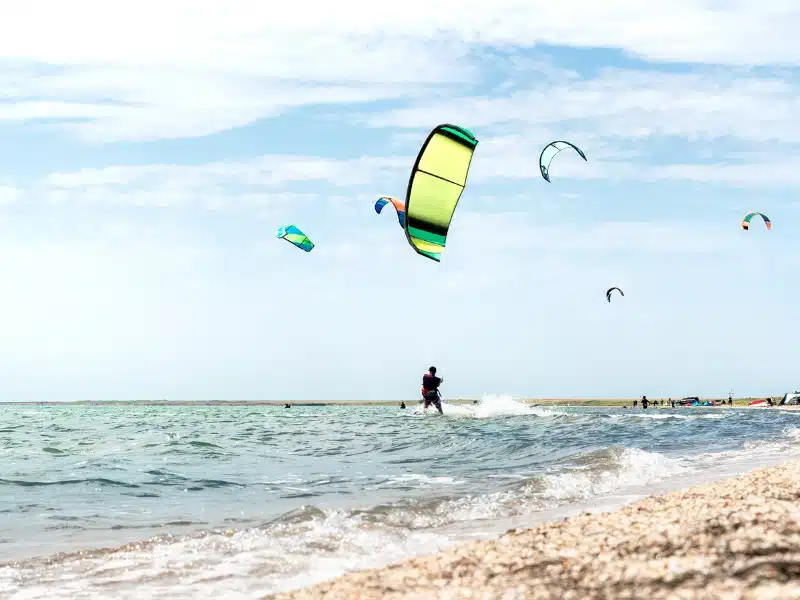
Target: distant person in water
x,y
430,389
730,400
645,402
402,404
288,405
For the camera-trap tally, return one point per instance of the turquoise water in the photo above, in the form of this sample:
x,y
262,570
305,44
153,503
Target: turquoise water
x,y
240,501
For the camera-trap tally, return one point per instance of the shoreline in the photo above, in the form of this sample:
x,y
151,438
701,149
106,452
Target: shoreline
x,y
735,538
588,402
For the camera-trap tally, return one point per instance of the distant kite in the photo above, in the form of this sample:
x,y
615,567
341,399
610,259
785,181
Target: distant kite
x,y
608,293
293,235
549,152
748,216
398,206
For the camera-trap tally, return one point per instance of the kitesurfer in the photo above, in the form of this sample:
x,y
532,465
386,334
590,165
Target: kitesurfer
x,y
402,404
430,389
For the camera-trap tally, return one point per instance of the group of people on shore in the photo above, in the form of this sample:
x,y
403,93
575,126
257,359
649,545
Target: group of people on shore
x,y
673,403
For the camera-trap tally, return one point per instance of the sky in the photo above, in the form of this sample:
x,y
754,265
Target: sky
x,y
149,151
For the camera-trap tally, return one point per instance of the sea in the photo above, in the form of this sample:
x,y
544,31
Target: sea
x,y
213,501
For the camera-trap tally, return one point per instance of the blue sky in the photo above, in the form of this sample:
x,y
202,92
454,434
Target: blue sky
x,y
148,153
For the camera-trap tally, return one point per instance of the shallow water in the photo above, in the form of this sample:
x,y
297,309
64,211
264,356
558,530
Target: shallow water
x,y
241,501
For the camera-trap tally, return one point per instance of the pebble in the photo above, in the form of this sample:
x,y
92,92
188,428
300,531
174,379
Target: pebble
x,y
733,540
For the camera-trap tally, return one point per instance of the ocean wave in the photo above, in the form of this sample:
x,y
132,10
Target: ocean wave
x,y
92,480
666,417
393,488
312,544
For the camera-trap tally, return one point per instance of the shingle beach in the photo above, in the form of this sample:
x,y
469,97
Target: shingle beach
x,y
736,539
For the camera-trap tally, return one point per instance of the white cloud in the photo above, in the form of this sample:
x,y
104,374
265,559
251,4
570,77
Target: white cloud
x,y
284,181
778,172
151,70
614,117
265,170
517,158
187,33
188,107
264,182
629,104
261,182
520,231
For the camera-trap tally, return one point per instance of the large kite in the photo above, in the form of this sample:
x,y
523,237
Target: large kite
x,y
434,188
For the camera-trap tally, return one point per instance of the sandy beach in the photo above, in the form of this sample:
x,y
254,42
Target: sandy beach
x,y
735,539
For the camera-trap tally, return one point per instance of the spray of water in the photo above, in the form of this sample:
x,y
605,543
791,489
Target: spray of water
x,y
495,405
489,406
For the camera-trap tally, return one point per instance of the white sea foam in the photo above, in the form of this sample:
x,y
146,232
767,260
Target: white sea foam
x,y
632,467
494,405
425,480
489,406
243,564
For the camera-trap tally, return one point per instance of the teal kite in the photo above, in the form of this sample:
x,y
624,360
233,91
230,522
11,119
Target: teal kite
x,y
749,216
293,235
549,152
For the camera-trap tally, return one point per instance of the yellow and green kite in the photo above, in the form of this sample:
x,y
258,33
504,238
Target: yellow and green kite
x,y
434,188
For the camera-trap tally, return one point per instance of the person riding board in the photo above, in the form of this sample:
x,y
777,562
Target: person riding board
x,y
430,390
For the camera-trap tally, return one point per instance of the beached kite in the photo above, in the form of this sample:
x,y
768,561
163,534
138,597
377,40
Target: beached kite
x,y
749,216
293,235
437,180
549,152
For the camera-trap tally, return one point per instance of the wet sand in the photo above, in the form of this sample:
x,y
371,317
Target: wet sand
x,y
735,539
